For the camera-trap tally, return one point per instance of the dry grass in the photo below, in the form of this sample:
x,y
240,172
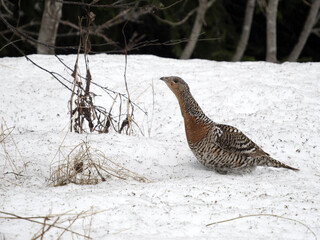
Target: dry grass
x,y
61,223
84,165
10,165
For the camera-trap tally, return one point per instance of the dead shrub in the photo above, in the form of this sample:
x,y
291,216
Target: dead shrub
x,y
84,165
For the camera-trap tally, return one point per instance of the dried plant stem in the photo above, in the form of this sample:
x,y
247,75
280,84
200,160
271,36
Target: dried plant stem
x,y
44,229
152,116
31,219
137,126
75,83
263,215
85,111
5,134
129,116
69,226
14,142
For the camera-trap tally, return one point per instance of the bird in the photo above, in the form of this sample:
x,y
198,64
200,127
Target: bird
x,y
220,147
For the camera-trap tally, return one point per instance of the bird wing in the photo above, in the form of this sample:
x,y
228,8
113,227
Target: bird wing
x,y
233,140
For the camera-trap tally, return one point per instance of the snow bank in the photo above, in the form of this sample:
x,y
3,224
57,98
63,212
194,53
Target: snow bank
x,y
277,105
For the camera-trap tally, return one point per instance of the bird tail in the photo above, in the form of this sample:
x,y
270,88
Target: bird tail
x,y
271,162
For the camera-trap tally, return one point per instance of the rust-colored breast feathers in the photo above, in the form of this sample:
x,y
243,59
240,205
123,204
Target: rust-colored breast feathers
x,y
195,131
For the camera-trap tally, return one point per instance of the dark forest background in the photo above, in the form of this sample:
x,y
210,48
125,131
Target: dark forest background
x,y
161,28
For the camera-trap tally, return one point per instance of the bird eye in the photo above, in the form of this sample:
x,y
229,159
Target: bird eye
x,y
175,81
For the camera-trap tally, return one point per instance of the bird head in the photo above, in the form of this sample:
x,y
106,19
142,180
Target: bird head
x,y
176,84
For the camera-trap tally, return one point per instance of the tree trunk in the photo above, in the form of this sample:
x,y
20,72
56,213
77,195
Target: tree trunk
x,y
246,28
307,28
196,29
49,26
272,9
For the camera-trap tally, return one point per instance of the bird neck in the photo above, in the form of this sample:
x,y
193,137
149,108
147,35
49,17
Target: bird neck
x,y
189,106
195,121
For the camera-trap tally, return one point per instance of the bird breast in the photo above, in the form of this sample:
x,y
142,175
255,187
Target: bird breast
x,y
195,131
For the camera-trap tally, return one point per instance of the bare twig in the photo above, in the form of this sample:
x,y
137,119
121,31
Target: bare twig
x,y
174,24
24,35
116,4
171,5
97,31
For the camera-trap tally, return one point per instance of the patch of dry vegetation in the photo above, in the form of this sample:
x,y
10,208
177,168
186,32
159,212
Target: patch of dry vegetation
x,y
83,164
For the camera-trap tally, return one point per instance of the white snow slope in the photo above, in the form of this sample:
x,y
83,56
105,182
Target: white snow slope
x,y
277,105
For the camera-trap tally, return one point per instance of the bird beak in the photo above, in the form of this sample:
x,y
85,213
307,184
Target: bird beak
x,y
165,79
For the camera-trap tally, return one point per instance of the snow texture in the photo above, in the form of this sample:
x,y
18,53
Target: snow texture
x,y
276,105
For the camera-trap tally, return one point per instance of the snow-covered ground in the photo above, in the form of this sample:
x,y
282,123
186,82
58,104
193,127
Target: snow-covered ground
x,y
277,105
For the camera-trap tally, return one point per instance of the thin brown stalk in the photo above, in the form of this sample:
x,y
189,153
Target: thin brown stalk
x,y
44,229
69,226
125,79
264,215
75,83
15,144
41,223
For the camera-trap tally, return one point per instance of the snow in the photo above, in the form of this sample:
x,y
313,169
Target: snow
x,y
277,105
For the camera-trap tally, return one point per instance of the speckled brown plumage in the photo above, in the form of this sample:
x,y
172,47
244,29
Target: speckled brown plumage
x,y
220,147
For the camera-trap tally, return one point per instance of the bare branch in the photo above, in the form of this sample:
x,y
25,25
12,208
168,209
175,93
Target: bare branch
x,y
4,4
117,4
131,14
27,37
169,6
316,31
92,31
176,23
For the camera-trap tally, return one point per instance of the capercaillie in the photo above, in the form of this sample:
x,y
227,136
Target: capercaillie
x,y
217,146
